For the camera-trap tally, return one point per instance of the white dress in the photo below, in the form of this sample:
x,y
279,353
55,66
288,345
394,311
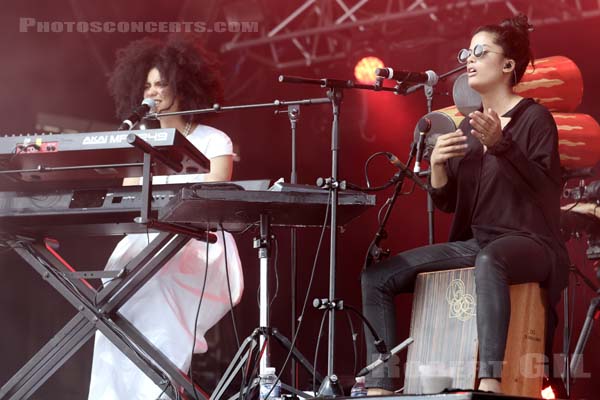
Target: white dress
x,y
164,309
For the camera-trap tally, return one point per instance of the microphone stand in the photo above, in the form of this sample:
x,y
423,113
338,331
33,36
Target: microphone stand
x,y
293,110
293,115
384,354
406,90
216,108
428,90
430,207
330,385
374,252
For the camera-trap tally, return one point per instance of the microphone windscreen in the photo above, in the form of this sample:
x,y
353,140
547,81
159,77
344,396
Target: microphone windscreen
x,y
466,99
424,125
440,124
150,103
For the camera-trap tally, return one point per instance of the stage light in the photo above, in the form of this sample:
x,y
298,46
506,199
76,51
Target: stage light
x,y
364,71
548,393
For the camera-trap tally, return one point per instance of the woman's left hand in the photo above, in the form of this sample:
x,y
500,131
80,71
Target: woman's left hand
x,y
487,127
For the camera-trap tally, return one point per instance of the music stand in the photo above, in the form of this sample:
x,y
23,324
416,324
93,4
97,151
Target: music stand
x,y
233,211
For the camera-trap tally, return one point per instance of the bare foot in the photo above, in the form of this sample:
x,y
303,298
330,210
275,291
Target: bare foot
x,y
378,392
490,385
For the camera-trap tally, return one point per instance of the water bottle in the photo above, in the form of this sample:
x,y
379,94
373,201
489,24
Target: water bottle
x,y
266,382
359,389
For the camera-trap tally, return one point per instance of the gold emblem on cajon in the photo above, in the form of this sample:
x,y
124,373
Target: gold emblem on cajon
x,y
461,304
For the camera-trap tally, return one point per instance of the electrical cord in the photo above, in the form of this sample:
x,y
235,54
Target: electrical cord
x,y
256,363
61,276
276,269
101,286
163,392
576,201
233,321
170,385
354,336
383,208
143,355
275,264
247,228
370,189
198,312
412,189
311,280
391,182
314,380
366,167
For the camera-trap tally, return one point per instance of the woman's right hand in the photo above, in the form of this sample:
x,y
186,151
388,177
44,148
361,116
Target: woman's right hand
x,y
447,146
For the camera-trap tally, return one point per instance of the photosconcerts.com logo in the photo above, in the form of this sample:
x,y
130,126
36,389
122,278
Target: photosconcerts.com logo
x,y
32,25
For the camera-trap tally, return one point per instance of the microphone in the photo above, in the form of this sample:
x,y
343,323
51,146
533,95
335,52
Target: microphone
x,y
429,77
384,358
424,127
395,161
138,113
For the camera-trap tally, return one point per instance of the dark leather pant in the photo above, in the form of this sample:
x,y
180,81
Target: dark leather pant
x,y
506,260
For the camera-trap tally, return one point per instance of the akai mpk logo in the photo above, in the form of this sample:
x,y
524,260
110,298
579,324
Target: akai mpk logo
x,y
91,140
121,138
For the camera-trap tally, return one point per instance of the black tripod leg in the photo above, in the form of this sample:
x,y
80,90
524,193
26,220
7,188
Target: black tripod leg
x,y
584,335
246,390
236,364
285,342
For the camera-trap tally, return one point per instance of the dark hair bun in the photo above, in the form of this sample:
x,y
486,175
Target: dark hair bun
x,y
520,22
513,36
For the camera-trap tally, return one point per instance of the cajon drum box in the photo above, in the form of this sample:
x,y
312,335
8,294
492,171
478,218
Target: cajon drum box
x,y
443,326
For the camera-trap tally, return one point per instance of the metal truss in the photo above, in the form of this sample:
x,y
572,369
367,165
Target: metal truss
x,y
321,31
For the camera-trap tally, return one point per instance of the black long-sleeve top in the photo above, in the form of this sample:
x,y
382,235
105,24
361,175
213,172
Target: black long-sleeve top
x,y
513,188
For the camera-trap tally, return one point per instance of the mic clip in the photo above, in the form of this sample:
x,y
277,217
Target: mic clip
x,y
381,347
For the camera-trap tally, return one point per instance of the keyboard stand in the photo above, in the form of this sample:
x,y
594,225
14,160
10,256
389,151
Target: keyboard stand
x,y
98,310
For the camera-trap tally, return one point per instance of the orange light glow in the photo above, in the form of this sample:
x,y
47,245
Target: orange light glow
x,y
548,393
364,71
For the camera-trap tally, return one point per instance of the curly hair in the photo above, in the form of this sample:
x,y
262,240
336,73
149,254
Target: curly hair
x,y
190,71
513,36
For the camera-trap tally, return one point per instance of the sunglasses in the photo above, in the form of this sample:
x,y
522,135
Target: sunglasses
x,y
478,51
